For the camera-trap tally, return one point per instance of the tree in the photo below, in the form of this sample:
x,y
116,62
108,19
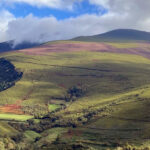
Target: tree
x,y
74,92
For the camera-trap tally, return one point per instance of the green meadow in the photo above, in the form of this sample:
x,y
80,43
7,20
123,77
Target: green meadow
x,y
53,107
15,117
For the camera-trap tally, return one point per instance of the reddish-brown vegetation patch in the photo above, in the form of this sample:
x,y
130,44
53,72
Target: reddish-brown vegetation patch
x,y
15,108
12,108
143,49
66,47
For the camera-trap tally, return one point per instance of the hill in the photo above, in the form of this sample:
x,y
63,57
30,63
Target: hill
x,y
77,95
119,35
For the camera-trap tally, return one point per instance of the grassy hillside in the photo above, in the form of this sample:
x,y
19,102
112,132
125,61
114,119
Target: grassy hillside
x,y
100,97
7,130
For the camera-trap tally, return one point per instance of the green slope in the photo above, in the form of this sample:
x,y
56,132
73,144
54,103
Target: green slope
x,y
7,130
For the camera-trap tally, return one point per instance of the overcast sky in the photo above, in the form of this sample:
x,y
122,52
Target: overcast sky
x,y
46,20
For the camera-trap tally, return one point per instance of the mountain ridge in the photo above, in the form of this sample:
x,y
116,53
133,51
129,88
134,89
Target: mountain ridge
x,y
123,35
118,35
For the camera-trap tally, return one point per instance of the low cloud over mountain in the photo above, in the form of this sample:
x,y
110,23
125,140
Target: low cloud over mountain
x,y
119,14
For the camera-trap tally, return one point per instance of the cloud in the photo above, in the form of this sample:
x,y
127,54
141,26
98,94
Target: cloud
x,y
59,4
35,29
132,7
100,2
121,14
5,18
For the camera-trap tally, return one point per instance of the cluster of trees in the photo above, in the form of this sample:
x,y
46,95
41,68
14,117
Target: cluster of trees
x,y
52,121
39,143
8,74
74,93
37,110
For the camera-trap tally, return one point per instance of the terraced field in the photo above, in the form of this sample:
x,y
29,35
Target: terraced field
x,y
114,109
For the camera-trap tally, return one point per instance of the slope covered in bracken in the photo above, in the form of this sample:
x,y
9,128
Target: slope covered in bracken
x,y
142,49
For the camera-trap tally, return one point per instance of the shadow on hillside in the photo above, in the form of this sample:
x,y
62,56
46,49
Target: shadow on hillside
x,y
99,78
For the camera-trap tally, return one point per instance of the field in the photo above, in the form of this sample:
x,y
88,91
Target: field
x,y
114,109
53,107
14,117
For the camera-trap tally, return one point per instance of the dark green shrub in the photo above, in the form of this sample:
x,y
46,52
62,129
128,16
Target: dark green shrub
x,y
8,74
74,92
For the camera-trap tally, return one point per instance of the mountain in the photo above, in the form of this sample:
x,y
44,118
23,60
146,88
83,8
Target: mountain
x,y
117,35
8,46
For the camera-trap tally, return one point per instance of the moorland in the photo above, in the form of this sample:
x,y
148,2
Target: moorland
x,y
76,94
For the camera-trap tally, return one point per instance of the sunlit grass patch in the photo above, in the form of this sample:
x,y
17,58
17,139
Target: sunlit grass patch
x,y
31,135
15,117
53,107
